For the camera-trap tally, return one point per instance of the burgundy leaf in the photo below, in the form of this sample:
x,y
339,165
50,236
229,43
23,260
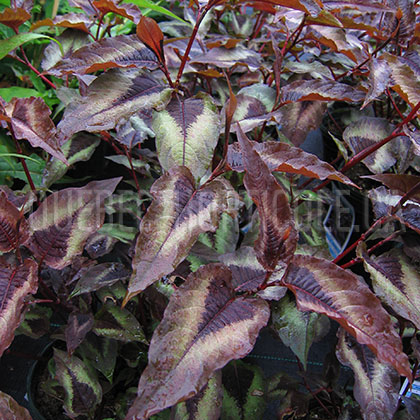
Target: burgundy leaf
x,y
16,283
129,11
29,119
204,327
61,225
299,118
85,5
284,158
120,51
376,384
13,226
278,237
323,287
379,78
320,90
77,21
11,410
78,325
13,18
150,34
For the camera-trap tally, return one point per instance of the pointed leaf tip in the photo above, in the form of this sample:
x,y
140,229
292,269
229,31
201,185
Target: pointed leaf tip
x,y
150,34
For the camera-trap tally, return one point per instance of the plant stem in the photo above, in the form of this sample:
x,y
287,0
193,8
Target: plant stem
x,y
200,16
379,222
133,172
36,71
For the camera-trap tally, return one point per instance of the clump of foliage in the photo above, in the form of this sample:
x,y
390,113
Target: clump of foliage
x,y
165,258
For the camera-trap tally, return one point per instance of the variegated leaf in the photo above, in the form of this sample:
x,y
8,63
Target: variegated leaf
x,y
101,275
278,237
118,323
319,90
376,384
83,392
405,77
111,97
321,286
396,281
29,119
78,326
248,274
225,58
60,227
312,7
206,405
77,21
296,329
379,79
178,214
16,283
13,225
187,131
299,118
79,148
11,410
364,133
204,327
284,158
120,51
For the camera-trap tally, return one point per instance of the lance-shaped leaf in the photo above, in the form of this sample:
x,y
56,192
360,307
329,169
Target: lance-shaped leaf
x,y
204,327
321,286
129,11
364,133
36,323
111,97
118,323
395,281
207,404
278,237
376,384
16,283
11,410
66,219
78,325
319,90
77,21
13,225
101,352
312,7
187,132
299,118
120,51
79,148
83,392
29,119
101,275
402,183
150,34
13,18
282,157
173,222
379,78
226,58
406,78
248,274
296,329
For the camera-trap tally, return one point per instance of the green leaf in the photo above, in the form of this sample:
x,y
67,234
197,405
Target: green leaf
x,y
146,4
204,327
173,222
187,132
125,234
17,92
13,169
118,323
298,330
8,45
83,392
206,405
